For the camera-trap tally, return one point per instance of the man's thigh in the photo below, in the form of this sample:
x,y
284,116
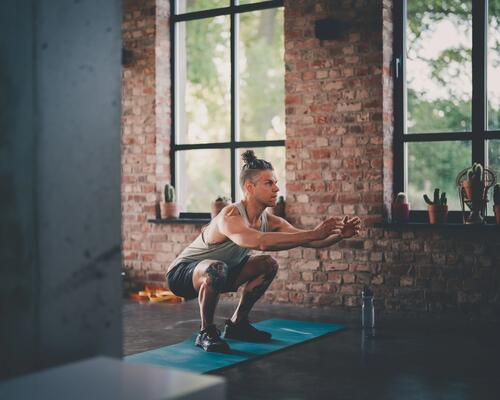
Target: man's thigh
x,y
200,272
255,266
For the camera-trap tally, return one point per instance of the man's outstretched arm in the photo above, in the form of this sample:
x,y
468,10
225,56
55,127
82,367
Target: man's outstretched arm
x,y
233,226
350,228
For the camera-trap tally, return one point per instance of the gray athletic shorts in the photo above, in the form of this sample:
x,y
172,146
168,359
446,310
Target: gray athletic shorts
x,y
180,278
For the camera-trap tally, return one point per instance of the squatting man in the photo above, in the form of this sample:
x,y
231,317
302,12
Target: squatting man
x,y
218,260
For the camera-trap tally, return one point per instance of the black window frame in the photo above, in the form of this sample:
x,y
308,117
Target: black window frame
x,y
233,145
479,133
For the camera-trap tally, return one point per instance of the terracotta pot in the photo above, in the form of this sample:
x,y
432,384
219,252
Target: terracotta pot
x,y
470,190
216,207
496,209
437,214
400,212
278,209
169,210
467,185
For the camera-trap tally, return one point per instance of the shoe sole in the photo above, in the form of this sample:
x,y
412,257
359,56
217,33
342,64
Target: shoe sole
x,y
214,349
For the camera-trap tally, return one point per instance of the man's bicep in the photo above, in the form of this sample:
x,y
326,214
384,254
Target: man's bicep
x,y
285,226
237,231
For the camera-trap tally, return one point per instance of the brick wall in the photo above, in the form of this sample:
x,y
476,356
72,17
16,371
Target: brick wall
x,y
339,124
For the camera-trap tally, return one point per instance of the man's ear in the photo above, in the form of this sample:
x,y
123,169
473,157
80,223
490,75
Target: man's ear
x,y
249,186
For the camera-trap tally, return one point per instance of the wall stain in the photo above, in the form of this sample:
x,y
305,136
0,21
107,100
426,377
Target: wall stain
x,y
95,269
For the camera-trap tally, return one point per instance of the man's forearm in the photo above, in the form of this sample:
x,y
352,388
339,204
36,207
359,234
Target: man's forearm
x,y
274,241
329,241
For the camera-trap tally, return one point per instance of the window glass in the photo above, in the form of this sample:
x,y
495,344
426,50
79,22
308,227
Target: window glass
x,y
248,1
435,165
261,75
493,152
184,6
202,176
493,80
203,76
439,66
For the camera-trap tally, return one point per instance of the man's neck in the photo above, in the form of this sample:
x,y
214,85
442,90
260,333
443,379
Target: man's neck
x,y
254,210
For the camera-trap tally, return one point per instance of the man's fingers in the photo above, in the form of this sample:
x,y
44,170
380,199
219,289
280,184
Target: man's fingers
x,y
354,222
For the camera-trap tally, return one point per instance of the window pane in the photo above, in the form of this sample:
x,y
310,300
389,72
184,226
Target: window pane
x,y
203,84
438,66
261,75
248,1
436,165
202,175
494,157
276,156
493,65
184,6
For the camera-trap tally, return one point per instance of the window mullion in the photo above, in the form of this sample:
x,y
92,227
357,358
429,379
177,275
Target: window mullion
x,y
399,61
234,98
479,26
173,60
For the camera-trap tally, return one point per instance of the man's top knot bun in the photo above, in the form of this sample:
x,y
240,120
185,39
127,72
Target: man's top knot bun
x,y
251,166
249,157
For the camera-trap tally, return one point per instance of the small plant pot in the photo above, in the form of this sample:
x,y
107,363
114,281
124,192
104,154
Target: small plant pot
x,y
473,191
467,186
169,210
496,210
278,210
400,212
437,214
216,207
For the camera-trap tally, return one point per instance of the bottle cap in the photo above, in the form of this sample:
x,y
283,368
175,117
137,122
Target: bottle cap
x,y
367,292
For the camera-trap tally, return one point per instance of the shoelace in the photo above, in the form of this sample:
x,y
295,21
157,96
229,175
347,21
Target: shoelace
x,y
213,332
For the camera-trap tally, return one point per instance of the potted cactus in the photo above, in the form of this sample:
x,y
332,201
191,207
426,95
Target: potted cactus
x,y
169,208
438,208
400,209
474,193
218,204
279,208
474,181
496,202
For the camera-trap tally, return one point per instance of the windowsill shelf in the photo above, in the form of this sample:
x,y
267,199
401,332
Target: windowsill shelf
x,y
386,225
195,221
454,226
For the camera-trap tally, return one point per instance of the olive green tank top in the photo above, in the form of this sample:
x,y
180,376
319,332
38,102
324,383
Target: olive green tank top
x,y
227,251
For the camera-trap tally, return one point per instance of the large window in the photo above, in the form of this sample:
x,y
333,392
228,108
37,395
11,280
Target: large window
x,y
228,91
447,94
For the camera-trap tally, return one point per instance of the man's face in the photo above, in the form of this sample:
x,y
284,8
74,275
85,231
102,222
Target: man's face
x,y
264,188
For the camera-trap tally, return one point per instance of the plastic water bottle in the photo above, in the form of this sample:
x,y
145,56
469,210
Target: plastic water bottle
x,y
367,311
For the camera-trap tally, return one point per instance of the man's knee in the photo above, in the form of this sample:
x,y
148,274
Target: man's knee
x,y
271,266
216,275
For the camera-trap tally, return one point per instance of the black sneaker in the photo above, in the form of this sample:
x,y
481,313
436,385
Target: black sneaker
x,y
209,340
243,330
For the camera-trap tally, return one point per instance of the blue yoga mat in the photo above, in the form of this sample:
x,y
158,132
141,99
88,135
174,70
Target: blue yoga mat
x,y
186,355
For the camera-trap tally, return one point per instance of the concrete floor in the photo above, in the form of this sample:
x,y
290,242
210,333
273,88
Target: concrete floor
x,y
407,359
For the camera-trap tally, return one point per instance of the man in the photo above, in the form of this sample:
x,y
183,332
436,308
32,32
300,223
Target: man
x,y
217,261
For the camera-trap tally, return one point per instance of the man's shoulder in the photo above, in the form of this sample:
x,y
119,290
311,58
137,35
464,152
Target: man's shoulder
x,y
230,210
